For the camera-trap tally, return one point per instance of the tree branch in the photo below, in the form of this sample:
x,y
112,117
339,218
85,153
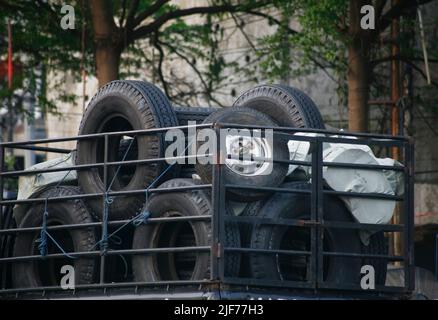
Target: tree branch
x,y
46,6
395,12
160,65
380,5
292,32
195,69
9,5
122,18
401,58
160,21
239,26
149,11
421,72
271,18
131,13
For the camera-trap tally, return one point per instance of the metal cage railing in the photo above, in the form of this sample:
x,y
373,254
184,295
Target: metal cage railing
x,y
218,280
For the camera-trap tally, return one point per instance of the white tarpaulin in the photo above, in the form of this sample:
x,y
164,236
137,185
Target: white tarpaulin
x,y
356,180
29,185
361,181
299,150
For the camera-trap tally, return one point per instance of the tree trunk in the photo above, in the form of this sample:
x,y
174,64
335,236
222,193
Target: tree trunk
x,y
358,89
358,72
10,124
107,63
107,43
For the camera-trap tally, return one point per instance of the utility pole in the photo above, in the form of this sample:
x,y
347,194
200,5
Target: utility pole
x,y
395,130
395,79
10,120
29,129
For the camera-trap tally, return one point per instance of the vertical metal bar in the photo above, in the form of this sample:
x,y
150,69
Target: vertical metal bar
x,y
436,256
411,215
3,237
104,223
2,165
313,216
313,279
408,215
221,216
217,194
406,212
320,211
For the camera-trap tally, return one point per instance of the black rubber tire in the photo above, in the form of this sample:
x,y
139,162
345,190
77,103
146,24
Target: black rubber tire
x,y
189,203
187,171
378,245
122,106
46,272
251,210
246,116
197,114
184,115
297,206
287,106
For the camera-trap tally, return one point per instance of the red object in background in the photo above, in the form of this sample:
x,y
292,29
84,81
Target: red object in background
x,y
3,70
10,64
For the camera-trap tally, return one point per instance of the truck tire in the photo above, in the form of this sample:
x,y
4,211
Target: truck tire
x,y
184,115
46,272
251,210
297,206
184,265
287,106
378,245
197,114
278,150
122,106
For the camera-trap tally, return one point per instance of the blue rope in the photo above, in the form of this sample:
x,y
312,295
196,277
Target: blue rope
x,y
44,234
125,264
104,240
116,240
118,168
108,201
59,247
143,216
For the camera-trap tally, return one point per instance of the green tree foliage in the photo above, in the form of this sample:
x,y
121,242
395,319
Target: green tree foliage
x,y
153,34
322,39
40,46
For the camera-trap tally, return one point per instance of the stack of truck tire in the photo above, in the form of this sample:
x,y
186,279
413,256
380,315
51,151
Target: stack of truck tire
x,y
136,105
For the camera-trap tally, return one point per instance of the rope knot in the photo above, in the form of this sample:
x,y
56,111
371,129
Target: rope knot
x,y
142,218
42,247
45,235
108,199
